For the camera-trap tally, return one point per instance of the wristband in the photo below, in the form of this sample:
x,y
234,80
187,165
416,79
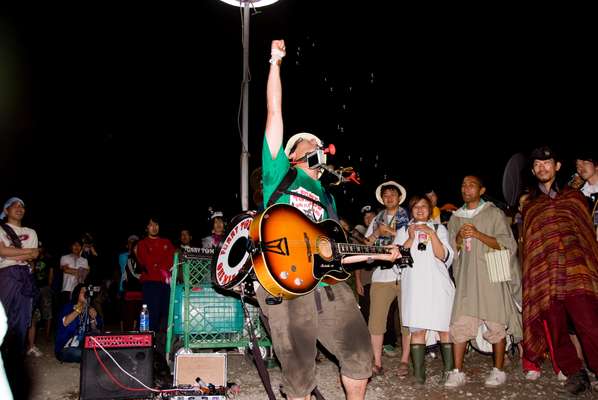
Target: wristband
x,y
277,56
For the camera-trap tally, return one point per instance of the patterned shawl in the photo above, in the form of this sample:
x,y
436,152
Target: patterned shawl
x,y
560,256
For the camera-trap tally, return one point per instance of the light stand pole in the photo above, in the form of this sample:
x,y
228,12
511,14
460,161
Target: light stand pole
x,y
246,4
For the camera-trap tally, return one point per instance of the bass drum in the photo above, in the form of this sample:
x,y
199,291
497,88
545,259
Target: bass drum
x,y
481,345
231,263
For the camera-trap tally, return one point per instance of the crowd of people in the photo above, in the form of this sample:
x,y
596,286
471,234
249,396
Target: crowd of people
x,y
81,291
532,280
467,278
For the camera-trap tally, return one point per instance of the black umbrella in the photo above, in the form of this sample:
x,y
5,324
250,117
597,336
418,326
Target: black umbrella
x,y
512,179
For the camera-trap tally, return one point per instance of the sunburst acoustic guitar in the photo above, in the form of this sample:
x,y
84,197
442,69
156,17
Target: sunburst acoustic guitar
x,y
293,254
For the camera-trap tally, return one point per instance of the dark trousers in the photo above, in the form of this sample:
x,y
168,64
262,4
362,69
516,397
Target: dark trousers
x,y
392,325
583,313
17,291
16,294
70,355
157,297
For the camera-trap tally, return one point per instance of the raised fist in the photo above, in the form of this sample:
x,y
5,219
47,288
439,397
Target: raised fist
x,y
278,49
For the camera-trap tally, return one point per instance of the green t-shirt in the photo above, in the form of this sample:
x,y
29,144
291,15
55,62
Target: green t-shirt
x,y
273,171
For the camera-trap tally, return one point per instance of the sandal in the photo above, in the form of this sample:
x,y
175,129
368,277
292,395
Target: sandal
x,y
377,371
403,369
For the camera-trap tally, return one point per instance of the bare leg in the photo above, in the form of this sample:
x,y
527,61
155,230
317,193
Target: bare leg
x,y
444,337
377,348
418,337
498,350
405,341
308,397
459,353
355,388
31,336
577,345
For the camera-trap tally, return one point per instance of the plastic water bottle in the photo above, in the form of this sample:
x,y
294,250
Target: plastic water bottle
x,y
144,319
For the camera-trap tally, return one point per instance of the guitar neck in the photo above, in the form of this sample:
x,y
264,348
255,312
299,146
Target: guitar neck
x,y
354,249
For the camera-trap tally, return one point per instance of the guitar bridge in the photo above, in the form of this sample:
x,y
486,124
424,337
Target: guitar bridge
x,y
308,245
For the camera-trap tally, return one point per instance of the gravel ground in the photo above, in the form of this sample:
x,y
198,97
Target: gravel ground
x,y
54,381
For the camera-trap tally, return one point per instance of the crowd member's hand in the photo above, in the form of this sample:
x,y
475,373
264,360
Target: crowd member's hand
x,y
577,182
385,230
468,231
359,288
411,231
393,255
424,228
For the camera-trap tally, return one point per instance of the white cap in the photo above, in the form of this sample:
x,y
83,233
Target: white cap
x,y
301,136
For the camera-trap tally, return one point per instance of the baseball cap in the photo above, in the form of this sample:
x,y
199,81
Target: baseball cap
x,y
542,153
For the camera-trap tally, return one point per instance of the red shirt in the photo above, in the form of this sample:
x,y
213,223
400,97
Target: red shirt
x,y
156,255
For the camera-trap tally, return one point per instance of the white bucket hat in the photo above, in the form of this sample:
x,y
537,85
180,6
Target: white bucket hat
x,y
390,183
302,136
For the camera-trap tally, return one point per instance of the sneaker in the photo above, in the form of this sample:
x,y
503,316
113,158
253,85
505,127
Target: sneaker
x,y
34,351
561,377
455,379
532,375
389,350
578,383
496,378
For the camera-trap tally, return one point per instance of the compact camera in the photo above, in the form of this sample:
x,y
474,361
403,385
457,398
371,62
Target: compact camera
x,y
91,289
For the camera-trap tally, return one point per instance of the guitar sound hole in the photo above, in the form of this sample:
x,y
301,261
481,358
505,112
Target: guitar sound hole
x,y
325,248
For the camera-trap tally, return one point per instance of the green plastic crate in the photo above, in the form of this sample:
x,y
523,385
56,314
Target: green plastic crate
x,y
209,312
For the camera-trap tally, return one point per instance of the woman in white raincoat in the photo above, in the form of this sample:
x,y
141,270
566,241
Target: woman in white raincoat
x,y
428,292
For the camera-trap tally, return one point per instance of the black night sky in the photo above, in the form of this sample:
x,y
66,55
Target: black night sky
x,y
110,113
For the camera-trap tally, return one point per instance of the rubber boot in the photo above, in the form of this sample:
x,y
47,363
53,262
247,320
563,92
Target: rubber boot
x,y
418,354
446,349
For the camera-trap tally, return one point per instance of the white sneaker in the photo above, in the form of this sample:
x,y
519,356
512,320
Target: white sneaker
x,y
496,378
34,351
561,377
532,375
455,379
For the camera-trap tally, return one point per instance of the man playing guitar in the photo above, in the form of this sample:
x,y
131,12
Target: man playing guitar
x,y
329,313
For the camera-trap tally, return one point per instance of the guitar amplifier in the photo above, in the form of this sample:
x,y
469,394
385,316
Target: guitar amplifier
x,y
133,352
